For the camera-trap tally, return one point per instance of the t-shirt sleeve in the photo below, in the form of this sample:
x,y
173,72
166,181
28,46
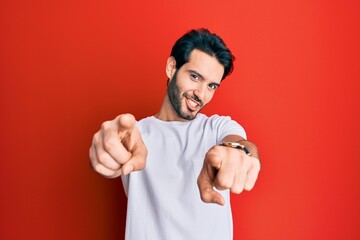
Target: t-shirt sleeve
x,y
225,126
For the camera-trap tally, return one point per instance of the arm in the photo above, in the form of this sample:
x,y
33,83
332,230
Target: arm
x,y
228,168
118,148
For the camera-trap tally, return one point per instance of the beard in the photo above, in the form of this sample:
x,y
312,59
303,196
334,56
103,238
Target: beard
x,y
175,98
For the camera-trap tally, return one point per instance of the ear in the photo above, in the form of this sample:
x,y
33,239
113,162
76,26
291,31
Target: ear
x,y
170,67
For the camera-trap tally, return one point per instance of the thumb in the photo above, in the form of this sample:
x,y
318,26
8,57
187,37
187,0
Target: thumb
x,y
206,186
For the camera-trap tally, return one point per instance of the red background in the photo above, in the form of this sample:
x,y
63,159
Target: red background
x,y
67,66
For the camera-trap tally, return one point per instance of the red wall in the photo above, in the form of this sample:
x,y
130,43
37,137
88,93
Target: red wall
x,y
67,66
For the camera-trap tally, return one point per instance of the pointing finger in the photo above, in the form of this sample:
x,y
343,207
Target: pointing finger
x,y
138,159
128,131
125,123
112,142
205,184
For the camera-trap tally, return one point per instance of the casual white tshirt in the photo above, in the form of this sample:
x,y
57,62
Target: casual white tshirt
x,y
163,199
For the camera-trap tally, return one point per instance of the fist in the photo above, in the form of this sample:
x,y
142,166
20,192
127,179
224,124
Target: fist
x,y
226,168
117,148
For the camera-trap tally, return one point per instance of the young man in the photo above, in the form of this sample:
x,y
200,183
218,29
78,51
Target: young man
x,y
191,160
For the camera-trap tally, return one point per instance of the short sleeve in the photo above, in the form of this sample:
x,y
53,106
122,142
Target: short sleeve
x,y
224,126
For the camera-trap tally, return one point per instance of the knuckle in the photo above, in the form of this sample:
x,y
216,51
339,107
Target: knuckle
x,y
213,156
110,144
97,168
108,173
96,136
91,155
141,165
126,116
223,184
125,120
203,198
93,158
105,125
236,189
102,158
257,164
215,150
242,173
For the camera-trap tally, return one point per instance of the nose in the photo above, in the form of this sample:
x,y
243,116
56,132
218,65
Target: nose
x,y
200,92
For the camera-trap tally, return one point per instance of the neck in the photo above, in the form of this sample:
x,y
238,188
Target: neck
x,y
167,112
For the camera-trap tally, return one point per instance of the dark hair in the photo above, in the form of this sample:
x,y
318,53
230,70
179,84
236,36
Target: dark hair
x,y
203,40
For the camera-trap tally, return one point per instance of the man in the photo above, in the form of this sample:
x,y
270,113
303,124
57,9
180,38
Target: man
x,y
191,160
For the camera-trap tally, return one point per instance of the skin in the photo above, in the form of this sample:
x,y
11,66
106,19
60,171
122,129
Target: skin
x,y
191,87
118,148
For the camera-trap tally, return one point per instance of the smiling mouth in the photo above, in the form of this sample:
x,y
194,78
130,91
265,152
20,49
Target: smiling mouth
x,y
192,104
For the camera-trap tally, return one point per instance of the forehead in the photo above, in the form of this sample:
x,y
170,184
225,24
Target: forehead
x,y
208,66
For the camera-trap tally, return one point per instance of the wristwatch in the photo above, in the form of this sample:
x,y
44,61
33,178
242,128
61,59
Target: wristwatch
x,y
236,145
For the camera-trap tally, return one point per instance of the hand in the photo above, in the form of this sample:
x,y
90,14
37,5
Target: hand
x,y
118,148
226,168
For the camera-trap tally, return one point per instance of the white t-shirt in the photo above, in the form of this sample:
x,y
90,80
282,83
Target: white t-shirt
x,y
163,199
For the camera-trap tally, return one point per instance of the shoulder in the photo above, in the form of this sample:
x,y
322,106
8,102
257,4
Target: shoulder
x,y
219,120
225,125
213,120
144,123
144,120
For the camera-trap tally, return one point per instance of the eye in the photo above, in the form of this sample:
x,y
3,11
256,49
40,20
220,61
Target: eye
x,y
194,76
213,86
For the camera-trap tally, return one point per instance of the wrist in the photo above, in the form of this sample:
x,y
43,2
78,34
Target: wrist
x,y
237,145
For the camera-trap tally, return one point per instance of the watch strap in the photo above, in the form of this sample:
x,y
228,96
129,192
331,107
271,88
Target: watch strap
x,y
236,145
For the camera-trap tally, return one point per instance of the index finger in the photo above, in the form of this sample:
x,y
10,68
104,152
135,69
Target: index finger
x,y
205,183
112,133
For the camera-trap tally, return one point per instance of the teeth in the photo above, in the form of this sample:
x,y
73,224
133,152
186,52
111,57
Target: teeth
x,y
192,103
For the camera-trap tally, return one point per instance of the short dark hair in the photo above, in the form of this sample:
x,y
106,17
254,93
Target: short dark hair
x,y
203,40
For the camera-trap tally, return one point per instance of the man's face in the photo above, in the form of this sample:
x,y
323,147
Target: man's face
x,y
193,85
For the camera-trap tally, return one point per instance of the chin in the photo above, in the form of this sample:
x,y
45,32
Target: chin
x,y
189,116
